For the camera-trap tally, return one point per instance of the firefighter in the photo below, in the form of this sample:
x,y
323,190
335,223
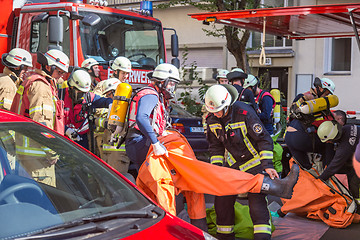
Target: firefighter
x,y
221,76
342,142
112,154
16,63
356,160
265,101
79,105
37,99
122,68
237,78
221,79
300,135
147,104
100,115
92,67
235,126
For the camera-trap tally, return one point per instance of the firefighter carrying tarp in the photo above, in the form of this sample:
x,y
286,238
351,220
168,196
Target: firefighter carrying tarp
x,y
161,177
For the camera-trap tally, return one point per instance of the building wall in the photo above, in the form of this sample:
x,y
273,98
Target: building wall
x,y
207,51
308,57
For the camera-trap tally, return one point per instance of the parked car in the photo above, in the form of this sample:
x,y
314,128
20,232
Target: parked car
x,y
191,127
86,200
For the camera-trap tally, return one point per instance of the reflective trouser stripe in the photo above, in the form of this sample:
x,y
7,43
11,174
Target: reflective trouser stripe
x,y
11,135
110,148
262,228
30,151
5,100
217,159
101,122
225,229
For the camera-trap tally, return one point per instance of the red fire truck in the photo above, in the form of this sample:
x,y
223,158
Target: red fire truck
x,y
84,30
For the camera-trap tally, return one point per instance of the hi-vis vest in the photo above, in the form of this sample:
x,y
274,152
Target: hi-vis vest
x,y
21,102
157,118
72,114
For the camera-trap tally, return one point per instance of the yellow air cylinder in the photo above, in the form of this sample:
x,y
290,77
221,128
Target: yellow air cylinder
x,y
120,104
319,104
276,95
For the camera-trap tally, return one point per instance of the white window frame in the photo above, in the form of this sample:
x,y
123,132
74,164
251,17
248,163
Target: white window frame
x,y
250,45
328,56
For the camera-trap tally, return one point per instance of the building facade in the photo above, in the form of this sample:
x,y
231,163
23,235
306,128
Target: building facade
x,y
291,65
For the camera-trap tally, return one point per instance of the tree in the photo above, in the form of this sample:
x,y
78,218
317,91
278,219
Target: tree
x,y
236,38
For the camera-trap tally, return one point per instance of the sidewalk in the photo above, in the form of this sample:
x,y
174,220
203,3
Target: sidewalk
x,y
292,227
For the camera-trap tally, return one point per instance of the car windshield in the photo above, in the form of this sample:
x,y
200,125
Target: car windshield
x,y
116,35
46,180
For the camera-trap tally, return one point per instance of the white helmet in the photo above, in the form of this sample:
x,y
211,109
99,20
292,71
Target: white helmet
x,y
222,73
17,57
110,84
325,83
250,81
121,63
329,130
165,71
88,63
57,58
80,79
220,96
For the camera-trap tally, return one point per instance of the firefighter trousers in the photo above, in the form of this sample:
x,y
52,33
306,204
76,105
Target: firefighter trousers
x,y
225,216
300,143
137,148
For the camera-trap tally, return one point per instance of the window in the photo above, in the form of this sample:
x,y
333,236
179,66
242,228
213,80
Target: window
x,y
337,56
270,40
39,37
255,40
116,35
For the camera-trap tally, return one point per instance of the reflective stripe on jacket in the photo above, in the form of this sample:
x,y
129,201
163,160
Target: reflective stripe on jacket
x,y
37,99
75,115
242,133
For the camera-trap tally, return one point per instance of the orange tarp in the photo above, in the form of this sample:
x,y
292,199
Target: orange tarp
x,y
315,199
162,177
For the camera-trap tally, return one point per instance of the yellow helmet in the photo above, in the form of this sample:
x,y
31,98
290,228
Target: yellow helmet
x,y
329,130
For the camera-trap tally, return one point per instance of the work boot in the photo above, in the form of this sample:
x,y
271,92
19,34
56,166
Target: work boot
x,y
200,223
281,187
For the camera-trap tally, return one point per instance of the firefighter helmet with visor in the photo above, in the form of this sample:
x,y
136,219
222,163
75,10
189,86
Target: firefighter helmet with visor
x,y
329,130
250,81
166,77
110,85
88,63
80,79
17,57
122,64
325,83
219,97
58,59
221,73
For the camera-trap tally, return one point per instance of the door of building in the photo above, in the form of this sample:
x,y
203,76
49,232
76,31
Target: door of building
x,y
276,77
